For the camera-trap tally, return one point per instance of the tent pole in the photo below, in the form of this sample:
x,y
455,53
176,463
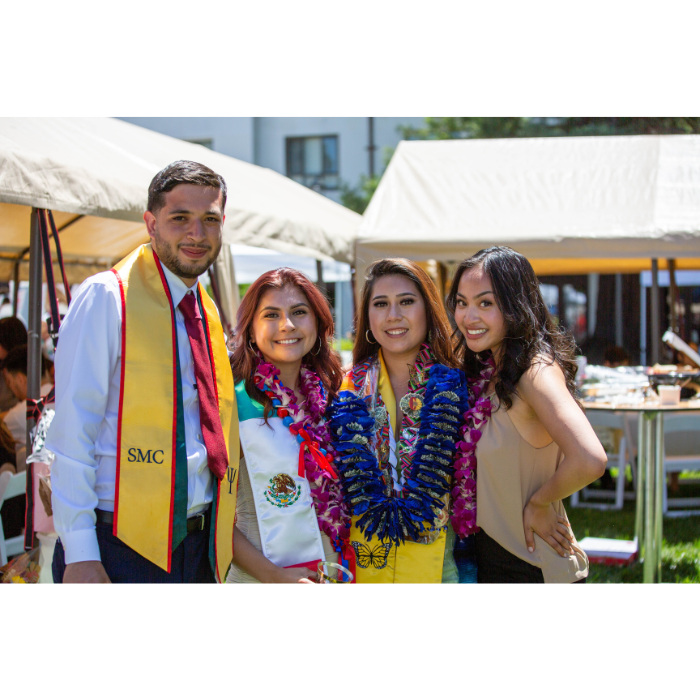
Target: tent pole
x,y
642,324
34,321
319,277
673,290
654,311
353,316
593,286
15,291
15,275
339,312
618,309
371,147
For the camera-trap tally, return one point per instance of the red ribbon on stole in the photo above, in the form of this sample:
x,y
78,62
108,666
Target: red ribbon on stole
x,y
313,448
347,554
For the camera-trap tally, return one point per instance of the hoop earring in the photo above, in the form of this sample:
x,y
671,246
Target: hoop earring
x,y
320,343
371,342
250,344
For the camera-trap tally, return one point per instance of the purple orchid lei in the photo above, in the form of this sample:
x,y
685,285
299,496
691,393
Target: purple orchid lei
x,y
464,489
331,511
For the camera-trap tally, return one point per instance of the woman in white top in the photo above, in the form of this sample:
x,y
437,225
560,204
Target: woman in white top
x,y
290,513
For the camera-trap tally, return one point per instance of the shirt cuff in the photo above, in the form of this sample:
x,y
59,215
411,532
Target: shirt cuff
x,y
80,545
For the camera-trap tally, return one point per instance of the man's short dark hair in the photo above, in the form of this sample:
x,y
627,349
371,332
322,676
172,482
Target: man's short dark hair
x,y
182,172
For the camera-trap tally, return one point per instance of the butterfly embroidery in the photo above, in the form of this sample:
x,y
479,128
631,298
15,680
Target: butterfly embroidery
x,y
367,557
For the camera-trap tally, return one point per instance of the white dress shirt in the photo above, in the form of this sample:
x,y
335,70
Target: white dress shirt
x,y
83,434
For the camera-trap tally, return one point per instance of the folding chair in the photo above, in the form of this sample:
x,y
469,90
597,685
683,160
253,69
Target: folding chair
x,y
623,455
682,446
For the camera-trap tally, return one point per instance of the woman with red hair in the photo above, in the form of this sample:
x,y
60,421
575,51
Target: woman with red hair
x,y
290,513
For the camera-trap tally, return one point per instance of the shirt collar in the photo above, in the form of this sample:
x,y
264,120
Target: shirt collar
x,y
178,288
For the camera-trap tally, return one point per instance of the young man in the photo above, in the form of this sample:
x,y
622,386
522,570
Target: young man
x,y
143,488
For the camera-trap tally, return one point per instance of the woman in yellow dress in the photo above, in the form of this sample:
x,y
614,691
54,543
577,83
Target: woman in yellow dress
x,y
396,428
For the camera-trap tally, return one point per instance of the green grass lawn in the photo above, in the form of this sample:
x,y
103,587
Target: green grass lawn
x,y
681,541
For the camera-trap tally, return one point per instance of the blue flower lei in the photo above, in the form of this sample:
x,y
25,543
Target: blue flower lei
x,y
397,518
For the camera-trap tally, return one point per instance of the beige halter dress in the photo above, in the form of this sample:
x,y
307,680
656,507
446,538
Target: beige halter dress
x,y
509,471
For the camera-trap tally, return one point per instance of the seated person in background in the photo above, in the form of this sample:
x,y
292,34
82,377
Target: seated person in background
x,y
14,370
615,356
685,363
12,334
12,512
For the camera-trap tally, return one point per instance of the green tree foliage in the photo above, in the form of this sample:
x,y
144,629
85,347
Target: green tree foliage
x,y
357,198
523,127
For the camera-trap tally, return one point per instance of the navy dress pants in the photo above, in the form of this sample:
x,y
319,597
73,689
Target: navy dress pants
x,y
190,560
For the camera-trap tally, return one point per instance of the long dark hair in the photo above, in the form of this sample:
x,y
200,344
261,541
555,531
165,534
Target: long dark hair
x,y
244,359
530,330
437,322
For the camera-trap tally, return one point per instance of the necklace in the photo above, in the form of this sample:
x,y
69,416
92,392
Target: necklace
x,y
315,452
396,470
429,447
464,489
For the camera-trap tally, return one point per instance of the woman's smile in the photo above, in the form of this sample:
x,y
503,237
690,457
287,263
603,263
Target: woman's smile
x,y
284,327
397,317
476,313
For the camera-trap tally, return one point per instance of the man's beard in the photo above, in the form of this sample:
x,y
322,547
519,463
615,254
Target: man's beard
x,y
168,256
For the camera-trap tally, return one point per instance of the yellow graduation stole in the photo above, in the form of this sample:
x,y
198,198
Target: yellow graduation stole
x,y
377,562
148,417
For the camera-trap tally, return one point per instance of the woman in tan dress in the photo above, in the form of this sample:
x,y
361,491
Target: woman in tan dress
x,y
530,439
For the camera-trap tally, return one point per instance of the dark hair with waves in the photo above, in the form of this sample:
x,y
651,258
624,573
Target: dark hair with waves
x,y
183,172
530,330
437,322
244,359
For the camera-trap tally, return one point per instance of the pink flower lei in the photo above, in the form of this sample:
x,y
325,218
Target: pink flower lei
x,y
464,488
331,511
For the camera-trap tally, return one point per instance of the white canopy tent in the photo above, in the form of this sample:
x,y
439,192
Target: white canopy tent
x,y
610,204
571,205
94,174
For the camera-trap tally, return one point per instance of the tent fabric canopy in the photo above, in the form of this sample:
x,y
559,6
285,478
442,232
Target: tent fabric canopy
x,y
94,174
572,202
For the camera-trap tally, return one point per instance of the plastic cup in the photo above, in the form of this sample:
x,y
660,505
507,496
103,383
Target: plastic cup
x,y
328,572
669,395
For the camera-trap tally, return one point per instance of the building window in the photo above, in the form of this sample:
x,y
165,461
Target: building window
x,y
313,161
207,143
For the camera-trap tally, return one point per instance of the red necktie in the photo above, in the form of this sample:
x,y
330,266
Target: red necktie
x,y
208,404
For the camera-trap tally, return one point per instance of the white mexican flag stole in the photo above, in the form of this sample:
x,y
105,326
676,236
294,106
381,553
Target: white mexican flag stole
x,y
284,508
